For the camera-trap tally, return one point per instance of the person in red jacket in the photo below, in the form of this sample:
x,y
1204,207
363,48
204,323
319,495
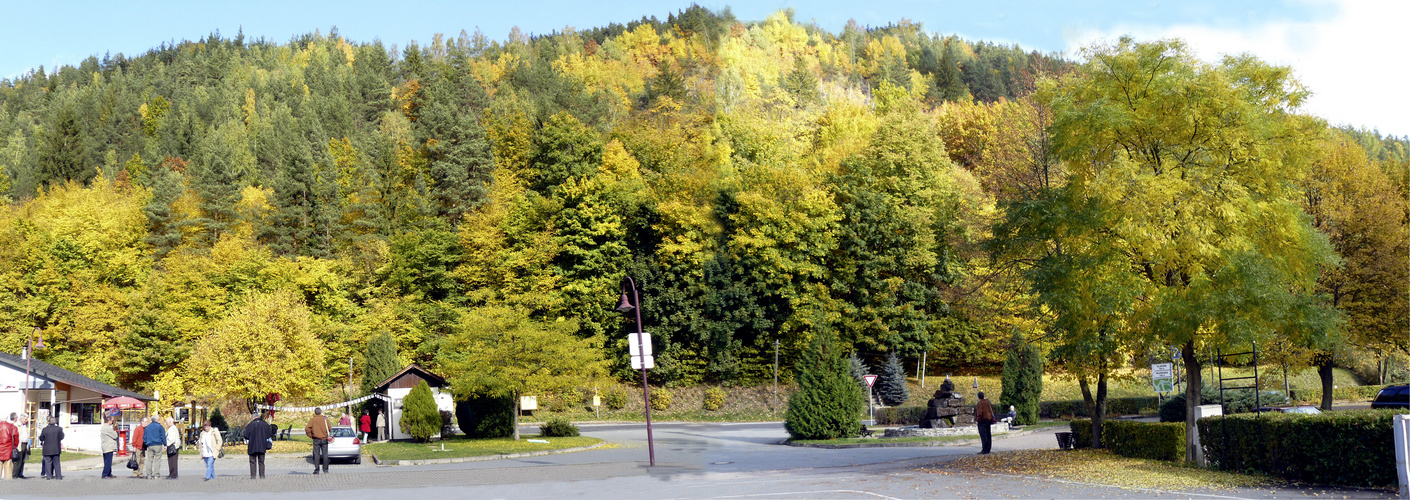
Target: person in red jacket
x,y
9,446
364,424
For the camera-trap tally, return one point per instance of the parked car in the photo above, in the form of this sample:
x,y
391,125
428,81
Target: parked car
x,y
345,444
1395,396
1305,410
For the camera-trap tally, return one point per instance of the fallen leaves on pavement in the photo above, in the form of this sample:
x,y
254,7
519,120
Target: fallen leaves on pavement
x,y
1101,467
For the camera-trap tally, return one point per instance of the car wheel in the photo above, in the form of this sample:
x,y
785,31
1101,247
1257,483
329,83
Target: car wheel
x,y
357,460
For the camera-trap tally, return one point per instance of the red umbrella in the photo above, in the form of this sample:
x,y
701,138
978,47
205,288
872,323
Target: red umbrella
x,y
124,403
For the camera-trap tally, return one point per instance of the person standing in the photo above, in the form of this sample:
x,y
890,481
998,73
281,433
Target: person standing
x,y
154,446
26,443
9,446
382,426
984,416
138,446
257,443
210,444
108,438
364,425
52,437
344,420
319,431
173,447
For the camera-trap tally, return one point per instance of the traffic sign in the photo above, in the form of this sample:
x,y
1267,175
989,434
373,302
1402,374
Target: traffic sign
x,y
871,379
639,347
1162,370
646,362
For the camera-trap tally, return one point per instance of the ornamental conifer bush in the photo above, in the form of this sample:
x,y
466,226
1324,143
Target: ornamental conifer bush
x,y
1022,381
891,384
419,416
828,403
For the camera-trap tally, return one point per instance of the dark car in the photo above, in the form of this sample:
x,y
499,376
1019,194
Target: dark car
x,y
1303,410
1395,396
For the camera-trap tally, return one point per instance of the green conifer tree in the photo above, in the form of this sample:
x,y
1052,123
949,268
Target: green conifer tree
x,y
1022,380
828,404
419,416
382,361
891,385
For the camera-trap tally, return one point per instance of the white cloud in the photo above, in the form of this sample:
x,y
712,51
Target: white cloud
x,y
1353,61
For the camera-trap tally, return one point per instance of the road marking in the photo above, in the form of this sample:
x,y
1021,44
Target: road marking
x,y
794,493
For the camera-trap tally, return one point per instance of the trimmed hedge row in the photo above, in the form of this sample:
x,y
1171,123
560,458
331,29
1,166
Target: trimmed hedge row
x,y
1350,393
899,415
1159,441
1114,406
1351,448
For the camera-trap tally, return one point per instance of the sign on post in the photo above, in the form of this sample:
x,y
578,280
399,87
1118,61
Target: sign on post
x,y
1163,377
639,347
871,379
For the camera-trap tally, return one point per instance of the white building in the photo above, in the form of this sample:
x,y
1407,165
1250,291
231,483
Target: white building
x,y
398,386
75,399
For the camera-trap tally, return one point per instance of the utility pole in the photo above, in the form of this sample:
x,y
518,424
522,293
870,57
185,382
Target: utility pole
x,y
773,402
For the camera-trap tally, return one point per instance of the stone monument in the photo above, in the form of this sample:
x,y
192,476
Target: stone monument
x,y
946,409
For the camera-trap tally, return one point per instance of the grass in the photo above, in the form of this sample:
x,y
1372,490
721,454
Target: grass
x,y
1102,467
457,447
942,439
64,456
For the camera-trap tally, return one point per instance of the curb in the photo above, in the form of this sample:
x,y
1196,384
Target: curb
x,y
921,444
483,458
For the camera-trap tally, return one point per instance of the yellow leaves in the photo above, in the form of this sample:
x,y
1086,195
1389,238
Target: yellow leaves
x,y
619,164
264,346
1101,467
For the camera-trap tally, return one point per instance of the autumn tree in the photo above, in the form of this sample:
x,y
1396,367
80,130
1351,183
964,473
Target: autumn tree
x,y
264,346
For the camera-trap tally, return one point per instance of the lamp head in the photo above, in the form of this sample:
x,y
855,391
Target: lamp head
x,y
626,305
40,333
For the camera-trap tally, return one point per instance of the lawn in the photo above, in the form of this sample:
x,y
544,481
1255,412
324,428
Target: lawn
x,y
457,447
64,456
1102,467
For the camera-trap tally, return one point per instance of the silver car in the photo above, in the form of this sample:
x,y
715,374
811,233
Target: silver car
x,y
345,444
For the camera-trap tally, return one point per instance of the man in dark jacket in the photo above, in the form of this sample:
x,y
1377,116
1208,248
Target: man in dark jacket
x,y
984,417
52,438
257,443
154,439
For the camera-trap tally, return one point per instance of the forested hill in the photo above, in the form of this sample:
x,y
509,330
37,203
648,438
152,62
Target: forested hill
x,y
762,181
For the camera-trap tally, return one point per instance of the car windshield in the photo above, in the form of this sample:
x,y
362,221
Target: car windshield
x,y
343,432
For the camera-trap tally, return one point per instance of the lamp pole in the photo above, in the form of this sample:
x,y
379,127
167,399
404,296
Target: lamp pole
x,y
628,306
29,355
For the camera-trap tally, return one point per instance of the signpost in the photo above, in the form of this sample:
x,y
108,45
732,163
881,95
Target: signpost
x,y
1163,377
639,347
871,411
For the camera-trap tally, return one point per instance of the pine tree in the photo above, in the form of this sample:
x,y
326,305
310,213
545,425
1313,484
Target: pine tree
x,y
828,404
218,420
858,370
419,416
1022,380
382,361
948,80
891,385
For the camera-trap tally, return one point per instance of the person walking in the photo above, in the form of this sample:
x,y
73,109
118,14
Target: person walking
x,y
26,444
319,431
52,437
364,425
108,442
984,416
173,447
210,443
9,447
138,446
257,442
154,446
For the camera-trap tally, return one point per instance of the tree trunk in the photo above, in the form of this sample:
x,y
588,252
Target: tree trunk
x,y
1099,408
1193,387
1324,371
516,415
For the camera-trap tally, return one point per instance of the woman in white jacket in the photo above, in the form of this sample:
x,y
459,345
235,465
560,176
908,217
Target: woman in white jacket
x,y
210,443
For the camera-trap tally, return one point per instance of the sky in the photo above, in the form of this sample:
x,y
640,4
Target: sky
x,y
1349,53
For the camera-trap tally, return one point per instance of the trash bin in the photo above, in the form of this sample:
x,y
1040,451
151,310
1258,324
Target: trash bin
x,y
1064,440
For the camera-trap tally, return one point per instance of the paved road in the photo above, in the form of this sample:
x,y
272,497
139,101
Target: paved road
x,y
694,461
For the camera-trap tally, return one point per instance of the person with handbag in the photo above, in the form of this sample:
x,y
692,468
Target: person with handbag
x,y
154,446
9,446
138,447
52,438
108,438
173,447
319,431
984,416
211,446
257,442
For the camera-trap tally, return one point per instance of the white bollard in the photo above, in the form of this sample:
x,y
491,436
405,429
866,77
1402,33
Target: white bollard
x,y
1402,453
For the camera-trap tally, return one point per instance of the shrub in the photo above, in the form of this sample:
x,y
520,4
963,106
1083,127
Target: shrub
x,y
1114,406
446,419
1022,380
714,398
615,398
899,415
419,416
891,385
857,369
558,427
1235,401
1081,433
486,417
218,420
1350,448
828,402
1159,441
661,399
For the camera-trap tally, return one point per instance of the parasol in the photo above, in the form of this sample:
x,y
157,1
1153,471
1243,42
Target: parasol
x,y
124,403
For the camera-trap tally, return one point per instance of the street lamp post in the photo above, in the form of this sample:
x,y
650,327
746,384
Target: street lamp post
x,y
628,306
29,355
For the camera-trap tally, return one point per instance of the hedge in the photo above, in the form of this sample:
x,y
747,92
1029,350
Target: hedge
x,y
899,415
1159,441
1349,393
1350,448
1114,406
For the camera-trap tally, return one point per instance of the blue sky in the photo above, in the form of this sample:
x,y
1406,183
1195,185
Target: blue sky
x,y
1349,53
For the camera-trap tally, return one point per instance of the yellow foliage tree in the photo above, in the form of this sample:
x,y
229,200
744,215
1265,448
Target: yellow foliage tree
x,y
263,347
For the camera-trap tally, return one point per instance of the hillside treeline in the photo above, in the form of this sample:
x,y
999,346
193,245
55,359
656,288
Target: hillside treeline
x,y
763,182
